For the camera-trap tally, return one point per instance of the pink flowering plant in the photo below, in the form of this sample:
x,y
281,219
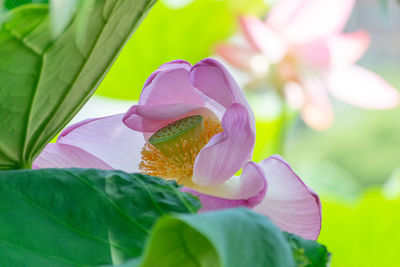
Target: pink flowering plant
x,y
301,51
193,125
171,182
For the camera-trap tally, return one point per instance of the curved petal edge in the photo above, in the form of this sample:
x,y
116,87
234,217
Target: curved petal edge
x,y
289,202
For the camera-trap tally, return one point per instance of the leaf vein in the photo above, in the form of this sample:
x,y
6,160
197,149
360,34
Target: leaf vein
x,y
64,97
72,228
38,253
105,197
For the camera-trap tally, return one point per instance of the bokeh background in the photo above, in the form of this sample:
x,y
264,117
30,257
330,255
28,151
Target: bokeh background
x,y
354,166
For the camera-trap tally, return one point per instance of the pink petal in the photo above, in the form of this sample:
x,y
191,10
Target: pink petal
x,y
213,79
226,152
347,48
170,84
334,50
248,191
160,105
252,184
305,20
109,140
363,88
147,118
248,185
76,125
294,95
317,111
237,56
314,54
263,39
67,156
289,203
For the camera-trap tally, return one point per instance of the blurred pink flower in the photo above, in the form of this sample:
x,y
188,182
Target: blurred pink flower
x,y
193,125
301,45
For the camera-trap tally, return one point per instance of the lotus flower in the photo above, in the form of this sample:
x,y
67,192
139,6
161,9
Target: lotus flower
x,y
300,50
193,125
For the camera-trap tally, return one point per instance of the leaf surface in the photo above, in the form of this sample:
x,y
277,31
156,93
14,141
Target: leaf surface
x,y
45,80
79,217
225,238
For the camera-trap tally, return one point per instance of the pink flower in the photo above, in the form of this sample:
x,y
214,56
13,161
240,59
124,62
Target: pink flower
x,y
301,44
193,125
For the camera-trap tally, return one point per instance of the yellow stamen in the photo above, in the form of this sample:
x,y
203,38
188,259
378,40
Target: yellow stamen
x,y
173,157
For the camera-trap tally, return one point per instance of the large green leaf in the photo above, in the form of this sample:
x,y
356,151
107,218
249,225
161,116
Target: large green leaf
x,y
88,217
45,80
227,238
77,217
